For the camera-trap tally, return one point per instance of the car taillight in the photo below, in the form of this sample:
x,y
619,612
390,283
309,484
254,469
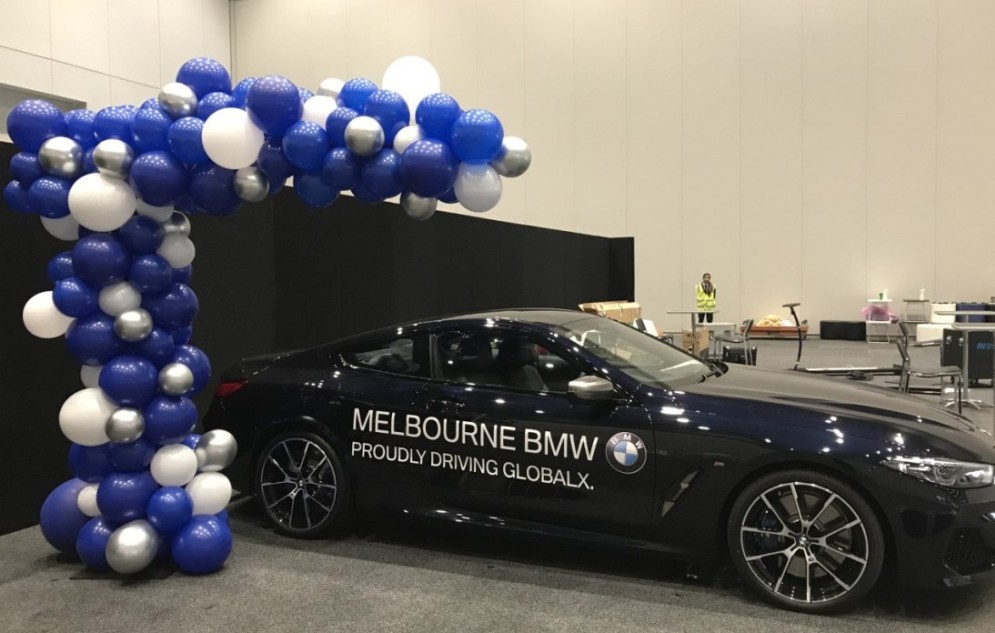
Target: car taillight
x,y
225,389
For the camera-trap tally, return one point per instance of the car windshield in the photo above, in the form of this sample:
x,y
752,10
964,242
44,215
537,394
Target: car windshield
x,y
643,357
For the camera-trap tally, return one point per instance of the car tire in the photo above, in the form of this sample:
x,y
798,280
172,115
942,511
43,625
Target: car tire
x,y
806,541
301,485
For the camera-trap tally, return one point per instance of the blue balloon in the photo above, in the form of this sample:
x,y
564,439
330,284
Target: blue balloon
x,y
212,189
130,381
25,168
151,102
169,509
204,75
61,519
114,122
390,111
49,196
60,266
362,193
183,335
436,114
123,497
211,103
305,144
305,94
79,127
131,457
428,168
202,546
183,275
32,122
448,196
16,197
151,274
197,361
100,259
158,178
340,170
89,166
274,164
89,463
190,441
185,139
336,123
158,347
310,188
477,136
241,91
185,204
273,104
169,419
91,543
141,235
355,92
92,340
174,310
382,174
149,129
74,297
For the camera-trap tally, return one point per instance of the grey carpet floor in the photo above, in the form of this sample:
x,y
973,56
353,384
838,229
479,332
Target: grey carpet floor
x,y
396,578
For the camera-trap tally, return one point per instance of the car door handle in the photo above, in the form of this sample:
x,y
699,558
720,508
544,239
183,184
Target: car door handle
x,y
445,404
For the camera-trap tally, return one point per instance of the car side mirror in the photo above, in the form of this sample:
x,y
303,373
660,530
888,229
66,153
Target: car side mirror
x,y
591,389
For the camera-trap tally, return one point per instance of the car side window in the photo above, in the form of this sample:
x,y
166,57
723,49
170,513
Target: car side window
x,y
407,356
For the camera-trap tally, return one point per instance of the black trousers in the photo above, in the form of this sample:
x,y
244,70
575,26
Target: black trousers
x,y
705,316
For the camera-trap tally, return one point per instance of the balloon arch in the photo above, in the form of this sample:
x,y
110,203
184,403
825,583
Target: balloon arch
x,y
145,484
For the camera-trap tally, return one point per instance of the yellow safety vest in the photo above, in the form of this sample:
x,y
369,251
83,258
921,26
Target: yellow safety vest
x,y
705,301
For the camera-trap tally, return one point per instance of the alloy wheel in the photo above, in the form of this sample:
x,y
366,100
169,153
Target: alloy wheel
x,y
298,485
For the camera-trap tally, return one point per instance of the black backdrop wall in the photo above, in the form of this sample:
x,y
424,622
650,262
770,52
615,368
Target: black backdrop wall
x,y
281,275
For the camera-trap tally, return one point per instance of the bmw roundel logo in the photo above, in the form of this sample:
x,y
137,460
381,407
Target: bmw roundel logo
x,y
626,453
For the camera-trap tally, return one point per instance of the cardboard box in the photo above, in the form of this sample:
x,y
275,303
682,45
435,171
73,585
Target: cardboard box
x,y
702,335
624,311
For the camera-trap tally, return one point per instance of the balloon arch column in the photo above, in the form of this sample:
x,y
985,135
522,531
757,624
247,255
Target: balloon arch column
x,y
145,484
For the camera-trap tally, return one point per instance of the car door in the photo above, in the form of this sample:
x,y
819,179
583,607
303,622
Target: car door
x,y
527,450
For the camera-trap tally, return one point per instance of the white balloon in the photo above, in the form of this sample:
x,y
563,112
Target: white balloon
x,y
119,297
86,500
65,228
210,492
101,203
406,136
317,109
177,249
159,214
84,415
330,87
231,139
174,465
90,375
478,187
42,318
414,78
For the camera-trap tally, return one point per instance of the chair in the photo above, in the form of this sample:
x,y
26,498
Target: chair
x,y
742,338
515,362
475,361
946,371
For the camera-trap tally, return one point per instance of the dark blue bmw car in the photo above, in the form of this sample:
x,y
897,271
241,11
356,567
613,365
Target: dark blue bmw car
x,y
564,423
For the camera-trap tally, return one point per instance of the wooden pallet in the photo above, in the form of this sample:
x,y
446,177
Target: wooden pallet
x,y
780,331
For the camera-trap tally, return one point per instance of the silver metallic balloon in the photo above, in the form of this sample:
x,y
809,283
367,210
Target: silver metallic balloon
x,y
215,450
113,158
514,158
251,184
364,136
61,156
125,425
133,325
418,207
175,379
178,100
132,547
177,223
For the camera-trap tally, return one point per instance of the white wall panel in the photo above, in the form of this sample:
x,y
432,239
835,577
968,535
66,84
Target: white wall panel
x,y
901,146
711,171
92,88
181,35
965,218
124,92
327,50
771,109
270,38
216,30
834,159
25,71
80,34
133,37
24,26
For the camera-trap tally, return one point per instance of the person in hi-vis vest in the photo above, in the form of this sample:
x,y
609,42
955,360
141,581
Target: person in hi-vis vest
x,y
705,294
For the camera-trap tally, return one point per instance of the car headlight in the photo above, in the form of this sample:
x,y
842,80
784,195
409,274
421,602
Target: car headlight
x,y
949,473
